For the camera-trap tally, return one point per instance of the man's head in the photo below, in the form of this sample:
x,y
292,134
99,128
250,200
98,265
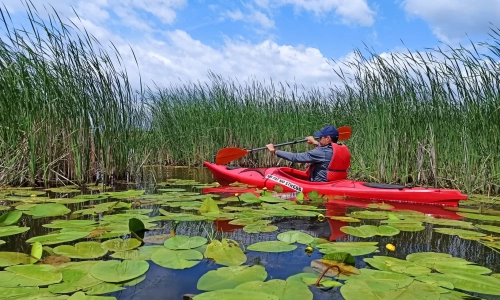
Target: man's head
x,y
327,135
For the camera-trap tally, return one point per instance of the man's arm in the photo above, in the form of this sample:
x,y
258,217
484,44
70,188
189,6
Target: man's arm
x,y
315,155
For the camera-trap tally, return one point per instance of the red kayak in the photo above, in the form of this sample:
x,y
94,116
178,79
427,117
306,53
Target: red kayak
x,y
292,180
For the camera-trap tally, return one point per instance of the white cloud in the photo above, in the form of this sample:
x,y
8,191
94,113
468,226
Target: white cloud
x,y
451,20
254,16
350,11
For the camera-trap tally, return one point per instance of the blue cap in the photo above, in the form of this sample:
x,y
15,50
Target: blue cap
x,y
328,131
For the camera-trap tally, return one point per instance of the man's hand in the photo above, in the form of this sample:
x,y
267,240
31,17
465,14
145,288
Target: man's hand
x,y
271,149
311,140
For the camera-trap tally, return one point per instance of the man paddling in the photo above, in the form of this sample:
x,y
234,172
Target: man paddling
x,y
329,160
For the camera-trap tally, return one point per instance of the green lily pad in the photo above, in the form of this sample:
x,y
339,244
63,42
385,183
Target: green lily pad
x,y
234,294
248,198
295,236
427,255
74,280
13,258
366,231
405,225
183,242
208,205
230,277
83,296
391,264
12,230
64,189
176,259
103,288
58,238
12,217
17,292
82,250
284,290
479,216
383,206
345,219
69,223
471,282
116,271
227,252
157,238
354,248
29,275
142,253
257,228
459,232
47,210
491,228
448,222
117,245
271,199
369,215
172,190
381,280
271,246
28,193
356,290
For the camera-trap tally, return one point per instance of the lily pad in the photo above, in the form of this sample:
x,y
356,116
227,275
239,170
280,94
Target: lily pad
x,y
385,263
18,292
227,252
176,259
295,236
208,205
82,250
230,277
284,290
479,216
459,232
369,215
12,230
271,246
354,248
183,242
69,223
29,275
491,228
157,238
117,245
142,253
116,271
355,290
48,210
12,217
248,198
234,294
345,219
57,238
383,206
448,222
366,231
381,280
257,228
74,280
471,282
13,258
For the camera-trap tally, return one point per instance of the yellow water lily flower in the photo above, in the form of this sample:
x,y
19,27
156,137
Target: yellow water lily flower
x,y
321,217
32,195
309,249
390,247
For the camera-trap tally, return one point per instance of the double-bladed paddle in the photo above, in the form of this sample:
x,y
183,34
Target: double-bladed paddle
x,y
227,155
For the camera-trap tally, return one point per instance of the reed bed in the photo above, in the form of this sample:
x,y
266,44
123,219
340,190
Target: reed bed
x,y
68,110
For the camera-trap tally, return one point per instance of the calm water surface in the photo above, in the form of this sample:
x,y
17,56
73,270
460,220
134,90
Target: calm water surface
x,y
162,283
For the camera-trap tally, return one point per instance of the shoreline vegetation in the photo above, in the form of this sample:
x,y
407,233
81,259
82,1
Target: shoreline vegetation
x,y
69,110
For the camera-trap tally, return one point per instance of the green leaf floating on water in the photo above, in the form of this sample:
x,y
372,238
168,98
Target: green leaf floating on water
x,y
490,228
183,242
47,210
69,223
103,288
284,290
226,252
354,248
30,275
383,206
385,263
471,282
479,216
235,294
74,280
370,215
117,245
345,219
271,246
257,228
10,218
366,231
381,280
82,250
83,296
230,277
12,230
176,259
271,199
116,271
295,236
58,238
359,290
18,292
249,198
459,232
405,225
13,258
142,253
208,205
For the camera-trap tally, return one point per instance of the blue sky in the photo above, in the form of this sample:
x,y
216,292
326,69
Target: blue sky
x,y
286,40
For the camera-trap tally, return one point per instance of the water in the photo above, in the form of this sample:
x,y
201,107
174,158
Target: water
x,y
163,283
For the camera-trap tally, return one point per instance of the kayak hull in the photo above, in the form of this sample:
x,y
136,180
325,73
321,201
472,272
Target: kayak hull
x,y
292,180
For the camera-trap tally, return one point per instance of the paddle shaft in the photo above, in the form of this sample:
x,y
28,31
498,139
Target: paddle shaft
x,y
278,145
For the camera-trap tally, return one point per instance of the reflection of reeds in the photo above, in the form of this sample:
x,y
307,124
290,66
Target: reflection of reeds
x,y
69,110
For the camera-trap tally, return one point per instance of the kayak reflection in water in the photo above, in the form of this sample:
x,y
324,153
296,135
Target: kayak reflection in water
x,y
329,161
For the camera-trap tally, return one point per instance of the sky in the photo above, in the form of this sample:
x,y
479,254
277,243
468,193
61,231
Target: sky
x,y
293,41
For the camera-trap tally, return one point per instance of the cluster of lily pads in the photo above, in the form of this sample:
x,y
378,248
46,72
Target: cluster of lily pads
x,y
101,247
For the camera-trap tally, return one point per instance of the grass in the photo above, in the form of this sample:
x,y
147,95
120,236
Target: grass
x,y
68,110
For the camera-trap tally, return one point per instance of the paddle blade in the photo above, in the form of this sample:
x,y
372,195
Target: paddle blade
x,y
227,155
344,133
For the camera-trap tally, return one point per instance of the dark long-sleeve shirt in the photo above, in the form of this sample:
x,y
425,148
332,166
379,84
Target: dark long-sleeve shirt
x,y
319,157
